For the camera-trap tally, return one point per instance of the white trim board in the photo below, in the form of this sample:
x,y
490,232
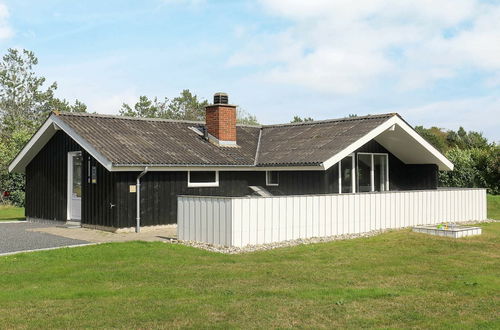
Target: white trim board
x,y
35,144
225,168
401,130
395,135
43,135
69,184
372,168
83,143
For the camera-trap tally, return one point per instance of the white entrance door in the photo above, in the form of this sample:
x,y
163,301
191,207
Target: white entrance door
x,y
75,186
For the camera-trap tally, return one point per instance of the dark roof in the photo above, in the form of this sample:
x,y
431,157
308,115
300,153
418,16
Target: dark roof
x,y
312,143
140,141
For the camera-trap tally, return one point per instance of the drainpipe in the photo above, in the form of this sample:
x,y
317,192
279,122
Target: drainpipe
x,y
138,201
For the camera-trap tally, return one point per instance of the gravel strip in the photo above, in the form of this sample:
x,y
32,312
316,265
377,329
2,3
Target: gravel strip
x,y
300,241
18,237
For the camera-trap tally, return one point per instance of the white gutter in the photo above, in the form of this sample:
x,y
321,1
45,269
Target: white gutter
x,y
138,200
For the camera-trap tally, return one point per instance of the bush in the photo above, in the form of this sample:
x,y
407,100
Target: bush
x,y
474,168
17,198
13,184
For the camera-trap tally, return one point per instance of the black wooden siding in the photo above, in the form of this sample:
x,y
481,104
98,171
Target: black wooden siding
x,y
403,176
99,199
46,185
46,177
159,191
109,203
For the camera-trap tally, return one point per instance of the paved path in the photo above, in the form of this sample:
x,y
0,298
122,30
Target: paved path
x,y
100,236
21,237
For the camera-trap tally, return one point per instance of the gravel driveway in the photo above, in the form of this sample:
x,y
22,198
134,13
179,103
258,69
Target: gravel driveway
x,y
16,237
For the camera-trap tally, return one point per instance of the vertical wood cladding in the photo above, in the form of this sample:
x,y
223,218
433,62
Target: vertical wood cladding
x,y
99,199
159,191
109,202
47,180
404,176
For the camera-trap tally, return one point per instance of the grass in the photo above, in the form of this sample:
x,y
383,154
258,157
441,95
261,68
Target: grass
x,y
397,279
494,207
11,213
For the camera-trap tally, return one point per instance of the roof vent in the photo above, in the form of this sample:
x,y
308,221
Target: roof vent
x,y
221,98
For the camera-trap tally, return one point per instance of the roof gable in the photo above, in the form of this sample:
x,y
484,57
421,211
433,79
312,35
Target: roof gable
x,y
313,143
122,143
126,141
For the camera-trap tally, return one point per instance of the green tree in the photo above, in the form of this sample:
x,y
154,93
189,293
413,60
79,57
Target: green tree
x,y
245,118
466,140
474,167
434,136
25,103
12,182
298,119
464,174
186,106
146,108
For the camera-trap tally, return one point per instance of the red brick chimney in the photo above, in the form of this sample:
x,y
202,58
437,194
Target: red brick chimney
x,y
220,119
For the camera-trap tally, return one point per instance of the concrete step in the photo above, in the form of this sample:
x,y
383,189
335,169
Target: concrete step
x,y
72,224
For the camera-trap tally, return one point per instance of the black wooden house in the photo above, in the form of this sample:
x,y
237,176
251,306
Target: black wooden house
x,y
109,172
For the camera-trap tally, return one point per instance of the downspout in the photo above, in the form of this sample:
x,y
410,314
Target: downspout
x,y
138,201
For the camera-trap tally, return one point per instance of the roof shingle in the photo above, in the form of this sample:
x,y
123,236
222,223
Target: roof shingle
x,y
154,142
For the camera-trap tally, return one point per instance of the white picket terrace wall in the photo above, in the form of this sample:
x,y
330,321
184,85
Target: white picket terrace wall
x,y
241,221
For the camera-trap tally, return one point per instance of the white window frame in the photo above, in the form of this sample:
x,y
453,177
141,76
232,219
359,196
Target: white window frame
x,y
267,179
372,172
203,184
69,187
353,174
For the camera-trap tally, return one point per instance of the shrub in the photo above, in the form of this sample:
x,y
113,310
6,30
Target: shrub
x,y
474,168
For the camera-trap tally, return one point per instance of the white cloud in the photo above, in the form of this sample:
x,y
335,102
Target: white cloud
x,y
343,46
5,29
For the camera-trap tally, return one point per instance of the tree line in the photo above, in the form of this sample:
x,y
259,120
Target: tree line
x,y
27,99
476,160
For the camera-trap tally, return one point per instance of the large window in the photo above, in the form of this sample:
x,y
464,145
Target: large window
x,y
373,172
347,175
203,179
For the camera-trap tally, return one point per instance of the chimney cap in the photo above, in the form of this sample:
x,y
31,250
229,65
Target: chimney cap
x,y
221,98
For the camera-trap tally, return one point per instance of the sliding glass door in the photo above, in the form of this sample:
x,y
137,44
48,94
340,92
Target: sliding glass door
x,y
364,172
373,172
346,176
380,173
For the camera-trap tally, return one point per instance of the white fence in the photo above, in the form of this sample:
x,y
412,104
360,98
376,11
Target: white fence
x,y
241,221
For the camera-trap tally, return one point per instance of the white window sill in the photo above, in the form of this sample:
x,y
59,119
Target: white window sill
x,y
202,184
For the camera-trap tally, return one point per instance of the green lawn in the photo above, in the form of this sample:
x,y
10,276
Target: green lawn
x,y
397,279
494,207
10,213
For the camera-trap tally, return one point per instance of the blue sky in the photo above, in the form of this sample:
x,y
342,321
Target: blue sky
x,y
436,63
